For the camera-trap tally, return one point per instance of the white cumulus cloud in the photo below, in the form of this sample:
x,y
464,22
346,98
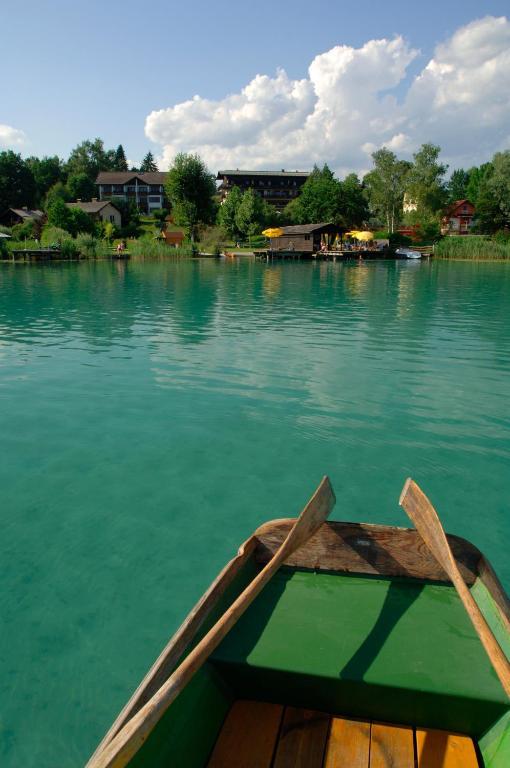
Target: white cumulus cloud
x,y
11,138
346,107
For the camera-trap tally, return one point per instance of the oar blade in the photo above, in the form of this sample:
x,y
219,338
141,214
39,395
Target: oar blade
x,y
428,525
426,520
313,516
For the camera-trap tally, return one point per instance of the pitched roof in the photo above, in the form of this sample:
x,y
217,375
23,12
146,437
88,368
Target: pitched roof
x,y
124,177
307,229
93,207
237,172
27,214
457,204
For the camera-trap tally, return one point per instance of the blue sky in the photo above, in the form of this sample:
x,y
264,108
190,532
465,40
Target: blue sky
x,y
77,70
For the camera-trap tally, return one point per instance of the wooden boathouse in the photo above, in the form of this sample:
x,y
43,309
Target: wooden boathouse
x,y
306,239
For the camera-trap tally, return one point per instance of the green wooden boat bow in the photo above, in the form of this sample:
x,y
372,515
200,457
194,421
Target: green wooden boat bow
x,y
359,626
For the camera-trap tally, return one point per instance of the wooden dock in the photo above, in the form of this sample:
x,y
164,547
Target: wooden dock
x,y
40,254
341,255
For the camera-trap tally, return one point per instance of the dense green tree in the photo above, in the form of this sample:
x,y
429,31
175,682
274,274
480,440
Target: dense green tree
x,y
227,213
80,222
148,164
72,220
320,199
47,171
81,187
499,183
458,185
17,182
250,214
386,185
190,189
271,216
160,215
59,215
119,160
425,185
130,216
58,190
90,157
354,206
325,198
477,176
493,195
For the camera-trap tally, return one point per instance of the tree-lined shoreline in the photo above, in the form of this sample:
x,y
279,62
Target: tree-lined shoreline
x,y
395,193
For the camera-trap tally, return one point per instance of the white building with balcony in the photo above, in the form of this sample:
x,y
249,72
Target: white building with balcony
x,y
146,190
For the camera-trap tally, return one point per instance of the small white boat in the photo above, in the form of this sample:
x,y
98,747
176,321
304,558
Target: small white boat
x,y
408,253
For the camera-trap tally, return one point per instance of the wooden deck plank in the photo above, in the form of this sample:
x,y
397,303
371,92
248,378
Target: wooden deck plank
x,y
392,746
348,744
302,739
440,749
248,736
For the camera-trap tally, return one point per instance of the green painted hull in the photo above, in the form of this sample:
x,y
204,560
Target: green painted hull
x,y
386,648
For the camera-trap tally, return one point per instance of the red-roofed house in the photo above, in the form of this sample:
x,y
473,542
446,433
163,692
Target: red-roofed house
x,y
458,218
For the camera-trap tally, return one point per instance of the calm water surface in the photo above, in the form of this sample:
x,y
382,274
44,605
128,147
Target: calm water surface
x,y
152,414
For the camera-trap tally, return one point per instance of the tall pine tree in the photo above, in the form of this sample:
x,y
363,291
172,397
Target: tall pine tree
x,y
120,162
148,164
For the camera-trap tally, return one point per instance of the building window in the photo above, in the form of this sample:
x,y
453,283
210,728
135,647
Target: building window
x,y
112,219
307,237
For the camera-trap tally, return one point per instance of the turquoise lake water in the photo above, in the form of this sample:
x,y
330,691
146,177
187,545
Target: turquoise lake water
x,y
153,414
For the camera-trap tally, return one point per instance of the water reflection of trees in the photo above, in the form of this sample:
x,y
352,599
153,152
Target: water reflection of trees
x,y
104,301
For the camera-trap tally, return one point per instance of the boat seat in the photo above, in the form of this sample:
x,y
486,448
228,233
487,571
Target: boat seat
x,y
380,649
264,735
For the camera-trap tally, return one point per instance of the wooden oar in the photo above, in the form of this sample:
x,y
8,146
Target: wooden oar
x,y
119,751
427,523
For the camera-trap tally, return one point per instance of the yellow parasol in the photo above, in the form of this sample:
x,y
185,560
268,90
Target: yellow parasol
x,y
365,236
273,232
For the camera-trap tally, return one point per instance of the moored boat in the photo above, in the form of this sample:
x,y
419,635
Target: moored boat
x,y
408,253
347,647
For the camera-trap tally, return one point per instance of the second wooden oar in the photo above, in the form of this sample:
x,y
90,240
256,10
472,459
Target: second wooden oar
x,y
119,751
427,523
